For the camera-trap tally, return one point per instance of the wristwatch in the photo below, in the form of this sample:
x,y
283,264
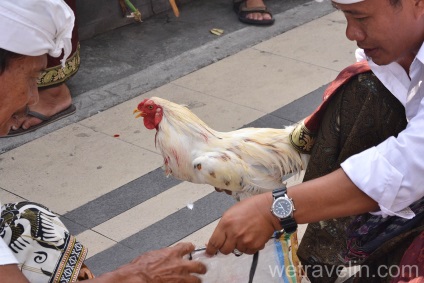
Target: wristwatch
x,y
283,208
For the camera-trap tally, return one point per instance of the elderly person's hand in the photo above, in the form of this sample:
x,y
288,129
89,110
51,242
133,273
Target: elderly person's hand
x,y
159,266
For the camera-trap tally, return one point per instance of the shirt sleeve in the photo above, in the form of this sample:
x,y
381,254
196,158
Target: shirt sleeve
x,y
6,255
392,173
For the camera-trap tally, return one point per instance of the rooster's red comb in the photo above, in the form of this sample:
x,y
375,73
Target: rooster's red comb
x,y
140,105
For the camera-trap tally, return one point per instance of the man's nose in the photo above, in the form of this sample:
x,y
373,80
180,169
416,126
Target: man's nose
x,y
354,32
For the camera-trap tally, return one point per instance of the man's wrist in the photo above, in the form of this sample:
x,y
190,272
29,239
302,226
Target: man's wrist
x,y
283,209
274,219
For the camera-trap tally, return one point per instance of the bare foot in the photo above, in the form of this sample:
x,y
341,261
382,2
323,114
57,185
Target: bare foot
x,y
257,16
52,100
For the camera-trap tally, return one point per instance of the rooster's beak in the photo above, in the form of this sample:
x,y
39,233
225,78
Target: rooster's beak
x,y
140,113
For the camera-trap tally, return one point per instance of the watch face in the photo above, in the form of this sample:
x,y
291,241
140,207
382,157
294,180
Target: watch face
x,y
282,207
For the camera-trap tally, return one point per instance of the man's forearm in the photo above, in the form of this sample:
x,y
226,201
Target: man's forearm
x,y
331,196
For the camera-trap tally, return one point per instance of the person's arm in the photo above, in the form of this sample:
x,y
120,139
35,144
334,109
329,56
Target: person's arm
x,y
249,224
9,270
10,273
392,172
331,196
160,266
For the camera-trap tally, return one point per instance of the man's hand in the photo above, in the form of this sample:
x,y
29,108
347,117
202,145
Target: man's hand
x,y
246,226
160,266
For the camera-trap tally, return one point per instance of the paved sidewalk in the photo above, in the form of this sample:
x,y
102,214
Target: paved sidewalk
x,y
111,190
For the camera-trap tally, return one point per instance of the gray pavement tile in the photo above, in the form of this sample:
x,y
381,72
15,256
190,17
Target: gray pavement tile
x,y
292,112
119,200
269,121
163,233
110,259
302,107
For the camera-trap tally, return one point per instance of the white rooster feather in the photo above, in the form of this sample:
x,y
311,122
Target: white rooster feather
x,y
246,161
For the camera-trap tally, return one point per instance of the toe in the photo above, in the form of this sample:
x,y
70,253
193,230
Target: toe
x,y
255,16
30,122
266,16
17,122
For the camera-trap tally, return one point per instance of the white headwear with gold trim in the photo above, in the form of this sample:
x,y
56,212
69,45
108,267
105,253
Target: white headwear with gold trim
x,y
36,27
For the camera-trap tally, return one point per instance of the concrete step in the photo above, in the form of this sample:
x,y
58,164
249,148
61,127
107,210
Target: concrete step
x,y
95,17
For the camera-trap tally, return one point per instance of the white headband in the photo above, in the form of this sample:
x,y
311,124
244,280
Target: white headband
x,y
36,27
347,1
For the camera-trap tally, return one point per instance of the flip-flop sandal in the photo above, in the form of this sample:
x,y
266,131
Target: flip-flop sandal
x,y
45,121
242,11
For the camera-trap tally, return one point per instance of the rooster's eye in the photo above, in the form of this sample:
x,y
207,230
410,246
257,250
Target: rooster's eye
x,y
150,107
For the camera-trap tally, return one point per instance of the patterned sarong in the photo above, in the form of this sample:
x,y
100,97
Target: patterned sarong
x,y
54,74
412,262
44,248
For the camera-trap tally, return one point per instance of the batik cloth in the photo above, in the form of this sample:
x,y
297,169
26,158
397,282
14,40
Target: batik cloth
x,y
56,73
44,248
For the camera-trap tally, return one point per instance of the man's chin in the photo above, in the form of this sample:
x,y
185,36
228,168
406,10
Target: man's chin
x,y
4,130
380,61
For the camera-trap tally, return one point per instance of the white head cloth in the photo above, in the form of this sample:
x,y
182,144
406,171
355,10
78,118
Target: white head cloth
x,y
347,1
36,27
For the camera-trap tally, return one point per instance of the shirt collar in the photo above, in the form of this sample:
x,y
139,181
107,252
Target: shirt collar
x,y
418,62
392,76
420,54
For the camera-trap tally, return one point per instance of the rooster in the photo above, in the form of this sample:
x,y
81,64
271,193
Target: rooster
x,y
247,161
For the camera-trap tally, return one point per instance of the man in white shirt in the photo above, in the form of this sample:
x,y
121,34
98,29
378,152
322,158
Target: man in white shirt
x,y
386,179
29,30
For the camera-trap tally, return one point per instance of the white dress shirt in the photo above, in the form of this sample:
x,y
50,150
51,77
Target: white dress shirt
x,y
392,173
6,256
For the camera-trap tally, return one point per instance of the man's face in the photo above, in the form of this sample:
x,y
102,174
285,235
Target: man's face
x,y
18,88
386,33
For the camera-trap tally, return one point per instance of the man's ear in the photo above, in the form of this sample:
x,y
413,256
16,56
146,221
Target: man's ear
x,y
418,6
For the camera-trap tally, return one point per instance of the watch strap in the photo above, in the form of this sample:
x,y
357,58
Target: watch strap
x,y
289,225
280,192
